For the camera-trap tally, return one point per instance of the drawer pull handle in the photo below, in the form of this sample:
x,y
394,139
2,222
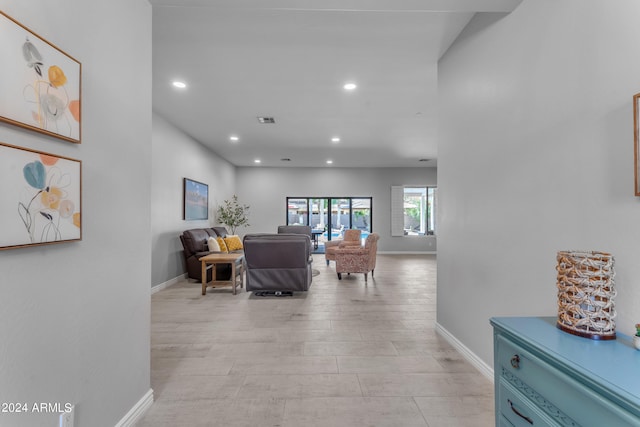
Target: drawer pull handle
x,y
527,419
515,361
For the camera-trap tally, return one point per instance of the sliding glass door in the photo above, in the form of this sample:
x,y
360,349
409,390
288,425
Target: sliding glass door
x,y
319,213
340,215
330,216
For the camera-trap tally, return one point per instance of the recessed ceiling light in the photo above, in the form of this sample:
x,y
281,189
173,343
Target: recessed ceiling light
x,y
335,139
257,161
234,138
350,86
329,162
179,84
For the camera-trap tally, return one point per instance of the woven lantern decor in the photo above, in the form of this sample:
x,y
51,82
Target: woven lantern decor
x,y
585,294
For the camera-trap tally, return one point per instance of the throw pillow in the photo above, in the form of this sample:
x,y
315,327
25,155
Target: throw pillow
x,y
223,246
213,244
233,242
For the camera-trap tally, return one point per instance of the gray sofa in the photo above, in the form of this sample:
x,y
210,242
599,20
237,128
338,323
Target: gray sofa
x,y
277,262
295,229
195,246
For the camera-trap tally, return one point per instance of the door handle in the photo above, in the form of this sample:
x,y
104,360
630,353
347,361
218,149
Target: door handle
x,y
518,413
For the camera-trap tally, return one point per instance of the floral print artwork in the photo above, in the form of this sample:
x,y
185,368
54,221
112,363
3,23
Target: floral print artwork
x,y
40,85
41,198
48,96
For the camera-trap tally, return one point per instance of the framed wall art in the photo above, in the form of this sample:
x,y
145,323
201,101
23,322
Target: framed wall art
x,y
196,200
41,198
636,148
39,83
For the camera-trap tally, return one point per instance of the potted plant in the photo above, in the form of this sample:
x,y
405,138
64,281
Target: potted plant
x,y
233,214
636,337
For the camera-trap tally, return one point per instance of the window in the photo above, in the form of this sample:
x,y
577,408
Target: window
x,y
413,210
331,215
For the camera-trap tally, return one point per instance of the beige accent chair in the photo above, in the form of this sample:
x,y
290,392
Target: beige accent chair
x,y
350,259
351,238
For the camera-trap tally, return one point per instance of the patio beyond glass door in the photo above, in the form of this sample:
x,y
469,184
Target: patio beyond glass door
x,y
361,215
319,213
330,216
339,217
297,212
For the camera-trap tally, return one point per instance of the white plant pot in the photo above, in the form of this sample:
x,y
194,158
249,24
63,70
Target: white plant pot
x,y
636,342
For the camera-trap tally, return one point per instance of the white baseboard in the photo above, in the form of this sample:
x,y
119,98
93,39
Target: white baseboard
x,y
161,286
407,252
478,363
139,409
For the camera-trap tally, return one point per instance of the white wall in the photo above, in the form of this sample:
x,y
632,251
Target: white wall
x,y
74,322
266,190
175,156
536,156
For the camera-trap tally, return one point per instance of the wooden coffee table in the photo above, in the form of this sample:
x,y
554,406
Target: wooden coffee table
x,y
209,263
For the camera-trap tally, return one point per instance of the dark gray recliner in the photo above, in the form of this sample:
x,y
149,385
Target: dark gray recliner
x,y
277,263
295,229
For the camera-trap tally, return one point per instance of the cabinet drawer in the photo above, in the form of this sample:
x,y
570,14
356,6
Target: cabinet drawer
x,y
519,410
562,398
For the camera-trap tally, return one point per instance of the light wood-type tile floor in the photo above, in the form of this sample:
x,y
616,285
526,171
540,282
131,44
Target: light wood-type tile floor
x,y
344,354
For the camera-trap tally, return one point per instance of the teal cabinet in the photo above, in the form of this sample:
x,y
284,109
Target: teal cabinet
x,y
547,377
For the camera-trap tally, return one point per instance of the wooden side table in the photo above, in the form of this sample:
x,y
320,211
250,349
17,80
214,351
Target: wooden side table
x,y
209,263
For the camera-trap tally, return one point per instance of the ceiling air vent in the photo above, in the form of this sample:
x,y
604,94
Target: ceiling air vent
x,y
266,120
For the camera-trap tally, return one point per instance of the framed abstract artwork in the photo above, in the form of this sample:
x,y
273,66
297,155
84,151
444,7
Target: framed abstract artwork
x,y
41,198
196,200
39,83
636,147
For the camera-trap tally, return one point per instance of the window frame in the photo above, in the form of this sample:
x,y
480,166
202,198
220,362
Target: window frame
x,y
398,210
329,200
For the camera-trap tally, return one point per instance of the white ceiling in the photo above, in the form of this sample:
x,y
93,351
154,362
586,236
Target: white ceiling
x,y
288,59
